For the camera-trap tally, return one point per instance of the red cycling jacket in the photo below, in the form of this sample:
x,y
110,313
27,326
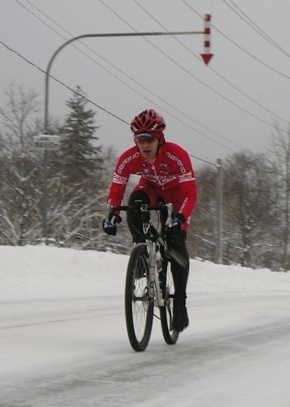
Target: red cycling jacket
x,y
170,177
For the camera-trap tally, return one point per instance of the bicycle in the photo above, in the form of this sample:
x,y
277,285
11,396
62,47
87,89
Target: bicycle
x,y
148,285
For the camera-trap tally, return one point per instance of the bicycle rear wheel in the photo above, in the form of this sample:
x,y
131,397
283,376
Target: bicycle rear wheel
x,y
166,312
138,305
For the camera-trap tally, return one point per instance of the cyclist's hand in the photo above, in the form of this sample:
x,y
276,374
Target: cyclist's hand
x,y
110,225
176,225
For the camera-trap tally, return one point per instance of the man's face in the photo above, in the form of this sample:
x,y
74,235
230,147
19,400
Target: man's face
x,y
148,147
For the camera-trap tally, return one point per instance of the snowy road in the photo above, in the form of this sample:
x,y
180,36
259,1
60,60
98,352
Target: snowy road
x,y
75,352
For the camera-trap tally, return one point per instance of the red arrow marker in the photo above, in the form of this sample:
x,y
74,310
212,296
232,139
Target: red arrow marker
x,y
207,55
206,58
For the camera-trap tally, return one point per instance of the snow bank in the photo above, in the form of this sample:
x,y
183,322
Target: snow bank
x,y
35,272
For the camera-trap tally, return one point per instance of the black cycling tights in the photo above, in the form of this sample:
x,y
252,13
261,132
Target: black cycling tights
x,y
176,244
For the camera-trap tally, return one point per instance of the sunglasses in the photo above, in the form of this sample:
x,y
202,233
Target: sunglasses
x,y
145,138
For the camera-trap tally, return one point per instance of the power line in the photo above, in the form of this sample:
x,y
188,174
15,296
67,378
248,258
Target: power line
x,y
134,81
153,93
239,46
84,97
207,128
217,73
204,161
135,90
190,73
60,82
255,27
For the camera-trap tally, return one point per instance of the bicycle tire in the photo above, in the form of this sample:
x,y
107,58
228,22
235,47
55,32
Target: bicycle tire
x,y
166,312
138,305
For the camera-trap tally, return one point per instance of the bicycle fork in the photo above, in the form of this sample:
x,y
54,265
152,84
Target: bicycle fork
x,y
154,286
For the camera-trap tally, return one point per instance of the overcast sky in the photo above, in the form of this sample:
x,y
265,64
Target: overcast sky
x,y
212,111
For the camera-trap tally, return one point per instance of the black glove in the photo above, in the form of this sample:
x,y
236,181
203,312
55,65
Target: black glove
x,y
176,226
110,225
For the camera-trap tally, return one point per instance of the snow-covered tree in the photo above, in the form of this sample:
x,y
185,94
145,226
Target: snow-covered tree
x,y
20,186
280,154
80,156
249,208
18,118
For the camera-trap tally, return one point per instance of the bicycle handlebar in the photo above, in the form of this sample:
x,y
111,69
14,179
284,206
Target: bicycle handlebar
x,y
142,207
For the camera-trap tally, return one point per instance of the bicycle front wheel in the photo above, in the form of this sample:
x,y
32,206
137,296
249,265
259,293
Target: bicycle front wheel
x,y
166,312
138,305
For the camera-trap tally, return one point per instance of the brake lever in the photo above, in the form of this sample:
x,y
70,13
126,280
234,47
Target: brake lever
x,y
169,215
109,212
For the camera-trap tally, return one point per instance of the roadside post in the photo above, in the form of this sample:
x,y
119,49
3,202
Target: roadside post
x,y
45,143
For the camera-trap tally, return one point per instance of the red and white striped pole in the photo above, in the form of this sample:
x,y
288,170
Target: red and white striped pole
x,y
207,55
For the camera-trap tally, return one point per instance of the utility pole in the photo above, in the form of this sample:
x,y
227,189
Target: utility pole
x,y
219,213
45,143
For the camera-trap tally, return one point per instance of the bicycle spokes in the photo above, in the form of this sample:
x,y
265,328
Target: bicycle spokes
x,y
138,305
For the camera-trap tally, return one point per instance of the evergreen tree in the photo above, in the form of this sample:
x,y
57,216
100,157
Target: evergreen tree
x,y
79,154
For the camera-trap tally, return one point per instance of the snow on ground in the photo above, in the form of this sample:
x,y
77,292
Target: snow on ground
x,y
37,272
63,338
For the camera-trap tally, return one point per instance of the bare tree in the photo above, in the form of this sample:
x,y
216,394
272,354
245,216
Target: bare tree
x,y
280,151
20,167
18,117
76,194
250,216
201,234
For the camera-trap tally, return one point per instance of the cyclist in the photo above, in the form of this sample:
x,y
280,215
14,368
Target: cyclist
x,y
166,175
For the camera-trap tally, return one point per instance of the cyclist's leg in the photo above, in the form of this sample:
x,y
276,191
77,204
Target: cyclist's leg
x,y
177,246
145,193
180,265
180,272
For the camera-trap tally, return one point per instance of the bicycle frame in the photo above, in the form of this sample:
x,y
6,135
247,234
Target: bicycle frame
x,y
153,243
147,287
155,292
